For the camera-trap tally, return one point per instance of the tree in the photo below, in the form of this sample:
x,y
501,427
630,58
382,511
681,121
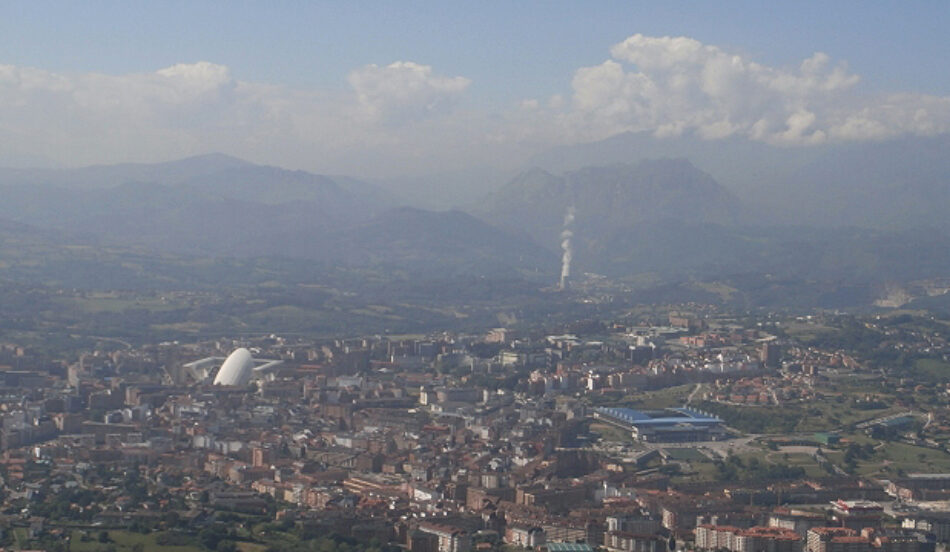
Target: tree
x,y
211,537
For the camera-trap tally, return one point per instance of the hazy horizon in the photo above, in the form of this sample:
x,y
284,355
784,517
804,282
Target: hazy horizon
x,y
336,90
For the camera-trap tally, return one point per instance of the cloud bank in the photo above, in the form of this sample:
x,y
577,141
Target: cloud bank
x,y
672,85
404,91
407,116
391,112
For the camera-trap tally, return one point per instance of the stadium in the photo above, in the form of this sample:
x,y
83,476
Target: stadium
x,y
671,425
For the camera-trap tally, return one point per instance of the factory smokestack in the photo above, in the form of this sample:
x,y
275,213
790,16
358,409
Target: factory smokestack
x,y
567,247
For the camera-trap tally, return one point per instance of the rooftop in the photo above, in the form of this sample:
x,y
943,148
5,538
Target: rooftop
x,y
569,547
668,416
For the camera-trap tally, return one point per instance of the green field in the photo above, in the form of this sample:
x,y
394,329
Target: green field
x,y
832,413
805,461
611,433
893,458
698,472
929,369
114,303
806,331
124,541
686,455
835,414
662,398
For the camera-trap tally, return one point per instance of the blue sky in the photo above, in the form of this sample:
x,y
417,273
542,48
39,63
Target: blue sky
x,y
527,47
506,51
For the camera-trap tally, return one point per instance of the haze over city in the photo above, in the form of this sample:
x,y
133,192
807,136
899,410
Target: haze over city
x,y
474,277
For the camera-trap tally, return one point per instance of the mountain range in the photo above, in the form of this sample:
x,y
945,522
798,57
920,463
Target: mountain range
x,y
674,209
608,199
897,183
221,206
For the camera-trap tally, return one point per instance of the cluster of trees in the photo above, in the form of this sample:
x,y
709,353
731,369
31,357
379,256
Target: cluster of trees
x,y
754,420
73,504
856,452
735,469
512,380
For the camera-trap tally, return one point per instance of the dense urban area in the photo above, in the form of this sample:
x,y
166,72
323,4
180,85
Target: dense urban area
x,y
684,426
532,276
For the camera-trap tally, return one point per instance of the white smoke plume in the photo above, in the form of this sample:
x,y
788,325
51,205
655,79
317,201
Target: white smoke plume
x,y
567,247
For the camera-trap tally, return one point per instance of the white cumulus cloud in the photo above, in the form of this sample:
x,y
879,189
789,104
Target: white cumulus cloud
x,y
94,117
404,91
671,85
407,116
395,111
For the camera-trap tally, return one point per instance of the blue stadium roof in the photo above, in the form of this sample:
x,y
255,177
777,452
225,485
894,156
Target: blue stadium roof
x,y
638,418
569,547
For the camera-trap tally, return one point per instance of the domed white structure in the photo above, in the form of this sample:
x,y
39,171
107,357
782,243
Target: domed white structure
x,y
237,369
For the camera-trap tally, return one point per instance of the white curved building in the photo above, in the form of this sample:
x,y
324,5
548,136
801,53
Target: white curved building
x,y
237,369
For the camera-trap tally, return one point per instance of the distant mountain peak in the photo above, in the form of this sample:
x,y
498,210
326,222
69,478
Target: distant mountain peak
x,y
216,158
610,198
534,172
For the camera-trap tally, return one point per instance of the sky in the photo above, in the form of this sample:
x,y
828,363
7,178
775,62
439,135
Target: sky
x,y
371,88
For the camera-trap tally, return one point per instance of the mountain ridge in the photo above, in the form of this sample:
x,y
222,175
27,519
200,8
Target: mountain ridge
x,y
222,206
607,198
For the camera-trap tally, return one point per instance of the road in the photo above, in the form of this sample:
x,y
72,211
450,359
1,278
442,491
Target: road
x,y
692,394
124,343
